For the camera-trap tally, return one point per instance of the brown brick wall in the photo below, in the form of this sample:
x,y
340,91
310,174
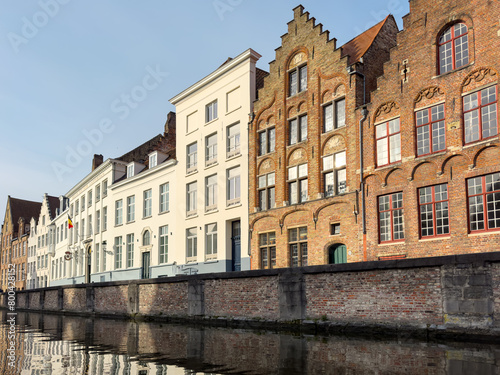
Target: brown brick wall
x,y
51,301
157,299
75,299
113,299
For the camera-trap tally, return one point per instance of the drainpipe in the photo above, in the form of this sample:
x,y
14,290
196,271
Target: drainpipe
x,y
351,71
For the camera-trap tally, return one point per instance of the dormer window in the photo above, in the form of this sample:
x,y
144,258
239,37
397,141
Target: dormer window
x,y
453,48
153,161
297,80
130,170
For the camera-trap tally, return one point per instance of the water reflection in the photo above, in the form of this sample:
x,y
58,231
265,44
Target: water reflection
x,y
49,344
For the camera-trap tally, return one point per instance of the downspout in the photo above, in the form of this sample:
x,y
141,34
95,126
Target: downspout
x,y
351,71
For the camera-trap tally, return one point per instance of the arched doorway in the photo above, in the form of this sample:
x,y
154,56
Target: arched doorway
x,y
337,254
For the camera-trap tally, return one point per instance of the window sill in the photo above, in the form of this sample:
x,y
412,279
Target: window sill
x,y
453,71
233,110
190,172
163,212
388,166
147,217
131,222
118,225
212,260
296,94
211,121
211,165
209,211
191,215
266,154
485,141
233,155
191,132
435,238
304,141
427,156
484,233
391,243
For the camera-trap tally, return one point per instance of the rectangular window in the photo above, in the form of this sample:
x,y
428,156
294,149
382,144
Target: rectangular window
x,y
89,226
82,201
191,124
148,203
298,80
164,197
105,188
484,202
211,241
118,252
266,191
130,250
430,130
89,198
211,193
335,229
390,211
297,240
98,193
433,209
153,160
191,198
233,100
82,233
267,141
191,245
334,174
211,111
297,184
480,114
163,245
98,221
233,140
211,149
77,207
97,257
334,115
233,186
119,212
105,218
131,209
388,139
267,247
192,157
130,170
298,130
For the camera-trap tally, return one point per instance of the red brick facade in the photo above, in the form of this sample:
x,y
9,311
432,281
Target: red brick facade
x,y
402,83
329,82
413,85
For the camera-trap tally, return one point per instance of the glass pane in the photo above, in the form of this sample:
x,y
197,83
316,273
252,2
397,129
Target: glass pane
x,y
303,170
340,159
395,144
292,173
328,117
270,179
293,235
394,126
381,130
328,162
262,181
340,112
341,181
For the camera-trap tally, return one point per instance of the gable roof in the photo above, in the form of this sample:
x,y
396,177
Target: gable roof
x,y
53,204
357,47
25,209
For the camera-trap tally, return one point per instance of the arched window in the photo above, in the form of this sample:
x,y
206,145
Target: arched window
x,y
146,238
453,48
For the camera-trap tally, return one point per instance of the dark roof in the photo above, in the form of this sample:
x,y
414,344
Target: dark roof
x,y
53,203
358,46
140,153
259,80
25,209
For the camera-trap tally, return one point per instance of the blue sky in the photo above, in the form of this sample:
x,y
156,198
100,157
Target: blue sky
x,y
94,77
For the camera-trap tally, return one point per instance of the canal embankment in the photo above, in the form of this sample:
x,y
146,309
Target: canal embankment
x,y
429,297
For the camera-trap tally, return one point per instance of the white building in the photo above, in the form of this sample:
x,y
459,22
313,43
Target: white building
x,y
212,170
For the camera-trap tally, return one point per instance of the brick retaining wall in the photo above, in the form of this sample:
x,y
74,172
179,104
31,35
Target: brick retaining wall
x,y
453,293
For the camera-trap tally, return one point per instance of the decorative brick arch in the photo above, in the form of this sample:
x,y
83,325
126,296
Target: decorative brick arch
x,y
446,161
477,75
476,156
252,223
428,93
330,138
416,167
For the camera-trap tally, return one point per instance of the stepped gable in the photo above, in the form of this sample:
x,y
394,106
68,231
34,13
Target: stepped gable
x,y
357,47
21,208
53,204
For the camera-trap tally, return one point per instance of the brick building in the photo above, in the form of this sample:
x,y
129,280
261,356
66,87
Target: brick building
x,y
431,144
14,239
303,185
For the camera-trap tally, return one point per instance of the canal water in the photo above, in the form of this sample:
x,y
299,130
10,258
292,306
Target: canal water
x,y
56,344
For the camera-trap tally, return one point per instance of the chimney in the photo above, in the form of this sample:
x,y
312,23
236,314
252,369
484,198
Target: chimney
x,y
170,124
97,161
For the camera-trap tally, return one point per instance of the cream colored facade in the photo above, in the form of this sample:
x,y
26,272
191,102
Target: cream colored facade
x,y
212,170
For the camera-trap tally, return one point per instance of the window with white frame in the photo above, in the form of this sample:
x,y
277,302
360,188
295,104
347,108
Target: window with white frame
x,y
297,79
192,157
390,211
233,140
266,191
77,207
89,226
211,193
453,48
297,130
433,209
97,257
267,141
211,111
388,142
430,130
82,201
191,245
233,186
297,240
130,209
164,197
163,244
211,241
118,252
98,193
130,250
297,184
334,115
104,218
153,160
130,170
98,221
119,212
191,198
146,238
480,114
334,174
483,194
148,203
82,233
211,149
89,198
105,188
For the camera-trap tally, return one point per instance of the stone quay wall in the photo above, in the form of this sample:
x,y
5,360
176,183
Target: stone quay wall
x,y
452,294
